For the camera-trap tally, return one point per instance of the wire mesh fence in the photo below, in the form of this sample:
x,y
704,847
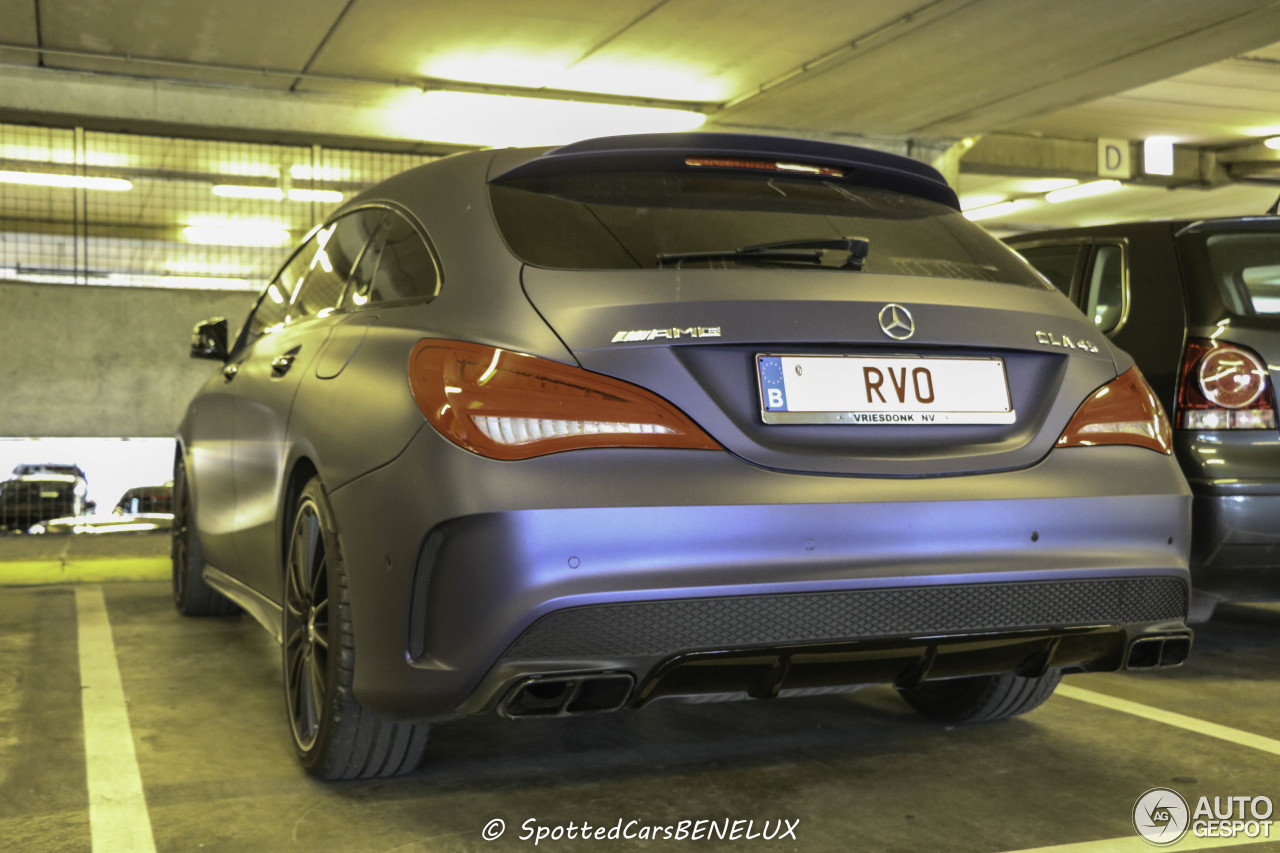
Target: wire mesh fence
x,y
95,210
114,209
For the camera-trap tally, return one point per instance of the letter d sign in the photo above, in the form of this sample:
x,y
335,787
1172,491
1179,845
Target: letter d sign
x,y
1113,158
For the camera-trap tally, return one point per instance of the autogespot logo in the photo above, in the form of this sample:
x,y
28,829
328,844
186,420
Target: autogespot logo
x,y
1161,816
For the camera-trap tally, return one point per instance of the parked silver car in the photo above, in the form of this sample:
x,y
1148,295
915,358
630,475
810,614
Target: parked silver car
x,y
554,431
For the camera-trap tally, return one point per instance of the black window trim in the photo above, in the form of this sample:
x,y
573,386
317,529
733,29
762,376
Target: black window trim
x,y
342,308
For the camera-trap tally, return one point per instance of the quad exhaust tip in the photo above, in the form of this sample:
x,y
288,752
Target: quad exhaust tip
x,y
1159,651
564,696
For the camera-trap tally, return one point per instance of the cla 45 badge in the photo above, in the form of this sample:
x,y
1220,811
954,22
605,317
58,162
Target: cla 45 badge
x,y
1051,340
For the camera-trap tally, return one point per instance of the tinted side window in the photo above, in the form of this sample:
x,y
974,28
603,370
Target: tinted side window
x,y
1056,263
1107,288
337,248
397,265
273,306
1247,269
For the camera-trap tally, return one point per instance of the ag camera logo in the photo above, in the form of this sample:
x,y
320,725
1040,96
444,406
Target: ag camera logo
x,y
1161,816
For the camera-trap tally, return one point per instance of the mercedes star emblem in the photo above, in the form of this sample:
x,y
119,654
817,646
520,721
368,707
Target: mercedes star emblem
x,y
896,322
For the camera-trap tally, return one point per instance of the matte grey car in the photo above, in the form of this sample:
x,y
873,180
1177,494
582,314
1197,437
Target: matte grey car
x,y
554,431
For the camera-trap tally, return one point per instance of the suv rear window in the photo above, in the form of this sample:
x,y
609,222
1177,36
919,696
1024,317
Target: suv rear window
x,y
1246,266
625,220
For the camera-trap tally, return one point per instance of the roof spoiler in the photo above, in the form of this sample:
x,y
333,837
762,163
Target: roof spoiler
x,y
663,152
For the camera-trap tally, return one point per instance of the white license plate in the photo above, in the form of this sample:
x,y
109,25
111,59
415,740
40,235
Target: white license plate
x,y
821,389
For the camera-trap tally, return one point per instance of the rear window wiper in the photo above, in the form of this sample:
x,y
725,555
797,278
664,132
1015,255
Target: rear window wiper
x,y
786,251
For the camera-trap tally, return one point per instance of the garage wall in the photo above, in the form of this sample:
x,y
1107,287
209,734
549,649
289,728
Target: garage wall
x,y
79,360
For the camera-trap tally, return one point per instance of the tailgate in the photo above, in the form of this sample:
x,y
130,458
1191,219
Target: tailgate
x,y
862,361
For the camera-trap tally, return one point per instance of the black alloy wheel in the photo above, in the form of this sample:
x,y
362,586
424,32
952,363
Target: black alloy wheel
x,y
334,735
191,595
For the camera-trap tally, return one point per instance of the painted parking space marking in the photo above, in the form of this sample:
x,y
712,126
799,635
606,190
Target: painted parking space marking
x,y
1182,721
118,819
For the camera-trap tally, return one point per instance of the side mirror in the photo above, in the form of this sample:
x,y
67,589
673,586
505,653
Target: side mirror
x,y
209,339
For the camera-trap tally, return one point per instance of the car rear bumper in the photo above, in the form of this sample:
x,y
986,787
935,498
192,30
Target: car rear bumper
x,y
1236,543
1049,568
1235,481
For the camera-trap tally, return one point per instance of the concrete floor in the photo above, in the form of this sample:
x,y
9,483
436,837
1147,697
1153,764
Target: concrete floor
x,y
859,772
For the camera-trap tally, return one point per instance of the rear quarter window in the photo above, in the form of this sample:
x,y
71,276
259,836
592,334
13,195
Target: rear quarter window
x,y
1246,268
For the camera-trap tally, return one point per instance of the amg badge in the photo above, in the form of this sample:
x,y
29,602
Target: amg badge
x,y
670,334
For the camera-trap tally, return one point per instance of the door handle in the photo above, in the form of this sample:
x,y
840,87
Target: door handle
x,y
280,364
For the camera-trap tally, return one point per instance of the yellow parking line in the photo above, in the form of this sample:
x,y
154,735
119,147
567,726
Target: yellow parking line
x,y
1182,721
100,570
118,819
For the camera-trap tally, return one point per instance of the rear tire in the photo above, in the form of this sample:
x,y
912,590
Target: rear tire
x,y
335,737
191,595
980,698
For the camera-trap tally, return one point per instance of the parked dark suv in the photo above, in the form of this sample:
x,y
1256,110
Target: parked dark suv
x,y
1197,304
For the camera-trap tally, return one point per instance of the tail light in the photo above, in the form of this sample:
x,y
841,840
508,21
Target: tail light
x,y
505,405
1224,386
1124,411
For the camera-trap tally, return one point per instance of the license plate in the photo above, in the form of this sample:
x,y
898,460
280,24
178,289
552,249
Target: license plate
x,y
821,389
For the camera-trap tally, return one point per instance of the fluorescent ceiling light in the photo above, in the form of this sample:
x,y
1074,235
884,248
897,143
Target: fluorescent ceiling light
x,y
275,193
302,172
64,155
466,118
1157,155
76,182
315,195
1004,208
1273,142
629,77
1083,191
201,282
237,235
1046,185
237,191
976,200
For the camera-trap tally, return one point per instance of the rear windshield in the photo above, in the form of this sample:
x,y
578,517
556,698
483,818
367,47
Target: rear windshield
x,y
626,220
1246,266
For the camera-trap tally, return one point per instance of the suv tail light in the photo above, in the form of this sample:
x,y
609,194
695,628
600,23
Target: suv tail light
x,y
1124,411
1224,386
505,405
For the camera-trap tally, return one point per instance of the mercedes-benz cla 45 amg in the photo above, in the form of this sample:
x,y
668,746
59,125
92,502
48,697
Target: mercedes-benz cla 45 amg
x,y
558,431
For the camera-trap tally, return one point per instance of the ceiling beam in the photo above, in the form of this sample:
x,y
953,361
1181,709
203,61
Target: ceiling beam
x,y
1043,156
113,103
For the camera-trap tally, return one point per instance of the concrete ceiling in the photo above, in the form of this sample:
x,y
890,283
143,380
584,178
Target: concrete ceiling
x,y
1031,84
